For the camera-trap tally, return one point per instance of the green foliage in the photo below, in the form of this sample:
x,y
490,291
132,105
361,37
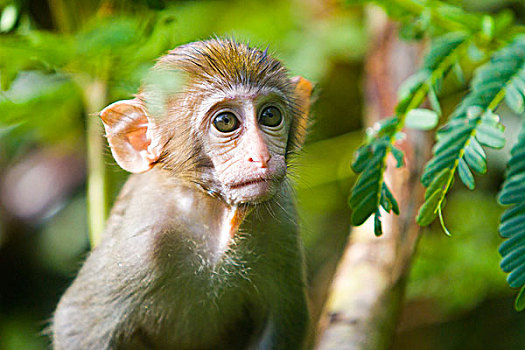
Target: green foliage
x,y
455,34
55,98
370,192
512,225
420,18
97,58
421,118
53,71
473,123
95,49
520,300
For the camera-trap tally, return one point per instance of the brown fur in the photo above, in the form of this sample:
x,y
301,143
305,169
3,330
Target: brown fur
x,y
163,276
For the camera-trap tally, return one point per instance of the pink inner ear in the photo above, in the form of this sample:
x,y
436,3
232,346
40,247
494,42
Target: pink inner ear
x,y
137,137
127,125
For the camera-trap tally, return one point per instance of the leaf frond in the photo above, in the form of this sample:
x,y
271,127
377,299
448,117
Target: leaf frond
x,y
512,226
473,125
370,192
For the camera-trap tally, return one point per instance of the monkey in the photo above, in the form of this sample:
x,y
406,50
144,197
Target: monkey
x,y
201,249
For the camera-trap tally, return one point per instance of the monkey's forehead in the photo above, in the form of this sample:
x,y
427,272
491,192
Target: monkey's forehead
x,y
172,81
240,92
244,94
200,104
162,88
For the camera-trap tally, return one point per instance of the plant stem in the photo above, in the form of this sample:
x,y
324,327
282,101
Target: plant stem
x,y
95,95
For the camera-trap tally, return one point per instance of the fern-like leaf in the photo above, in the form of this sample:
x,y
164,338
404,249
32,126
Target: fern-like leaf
x,y
472,125
370,192
512,225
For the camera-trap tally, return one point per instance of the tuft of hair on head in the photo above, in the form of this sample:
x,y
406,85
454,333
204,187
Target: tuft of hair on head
x,y
221,64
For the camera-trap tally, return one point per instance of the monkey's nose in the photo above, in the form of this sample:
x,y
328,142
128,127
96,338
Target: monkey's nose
x,y
261,159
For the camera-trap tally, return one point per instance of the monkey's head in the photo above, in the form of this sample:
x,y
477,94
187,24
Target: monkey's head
x,y
217,113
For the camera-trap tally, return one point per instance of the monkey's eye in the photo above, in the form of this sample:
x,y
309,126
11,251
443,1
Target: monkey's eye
x,y
270,116
226,122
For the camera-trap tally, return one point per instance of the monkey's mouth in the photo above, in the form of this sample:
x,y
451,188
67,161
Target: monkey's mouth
x,y
248,183
252,191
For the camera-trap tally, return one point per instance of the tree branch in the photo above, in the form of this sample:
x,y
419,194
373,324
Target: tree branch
x,y
368,289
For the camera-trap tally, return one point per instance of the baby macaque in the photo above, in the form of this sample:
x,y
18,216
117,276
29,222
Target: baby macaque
x,y
202,249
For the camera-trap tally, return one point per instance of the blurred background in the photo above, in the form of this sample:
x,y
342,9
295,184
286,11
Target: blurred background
x,y
61,61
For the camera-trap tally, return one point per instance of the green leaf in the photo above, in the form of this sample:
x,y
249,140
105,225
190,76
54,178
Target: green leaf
x,y
441,59
410,85
362,157
516,278
442,222
465,175
365,208
513,188
514,99
486,93
428,211
422,119
512,243
451,139
434,102
385,203
511,195
457,15
435,166
518,165
517,181
368,155
439,183
513,212
512,224
513,260
475,156
498,73
398,155
378,229
387,125
441,48
367,182
520,300
388,196
512,228
490,136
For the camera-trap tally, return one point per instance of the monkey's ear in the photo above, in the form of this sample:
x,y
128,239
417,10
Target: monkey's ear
x,y
303,92
129,133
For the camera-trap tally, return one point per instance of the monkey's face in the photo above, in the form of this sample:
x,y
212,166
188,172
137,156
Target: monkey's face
x,y
246,138
216,113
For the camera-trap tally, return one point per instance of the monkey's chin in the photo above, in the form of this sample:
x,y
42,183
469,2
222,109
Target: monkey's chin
x,y
251,192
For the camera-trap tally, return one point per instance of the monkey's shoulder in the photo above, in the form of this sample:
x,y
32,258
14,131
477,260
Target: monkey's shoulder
x,y
157,276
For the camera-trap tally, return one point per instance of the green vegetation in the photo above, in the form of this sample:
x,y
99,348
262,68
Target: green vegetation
x,y
496,46
62,61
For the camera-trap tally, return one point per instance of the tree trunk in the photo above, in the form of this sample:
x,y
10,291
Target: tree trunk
x,y
367,293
